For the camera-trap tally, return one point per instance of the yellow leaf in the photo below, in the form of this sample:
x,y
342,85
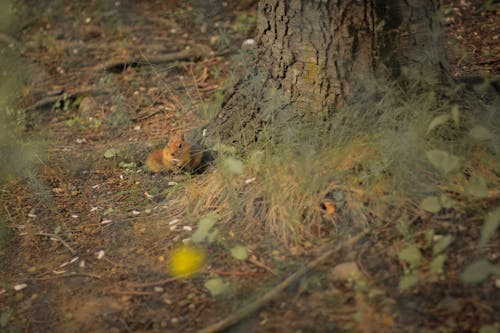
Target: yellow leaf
x,y
186,261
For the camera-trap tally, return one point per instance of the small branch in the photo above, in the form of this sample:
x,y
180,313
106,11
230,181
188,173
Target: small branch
x,y
147,115
263,266
133,292
273,293
59,239
116,66
74,274
50,100
236,273
152,284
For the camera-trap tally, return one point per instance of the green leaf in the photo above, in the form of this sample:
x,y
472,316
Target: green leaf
x,y
78,101
408,281
477,187
216,286
480,133
256,156
206,223
436,264
239,252
403,225
477,272
224,149
212,236
441,244
428,236
443,160
130,165
446,201
110,153
431,204
412,255
234,165
439,120
490,226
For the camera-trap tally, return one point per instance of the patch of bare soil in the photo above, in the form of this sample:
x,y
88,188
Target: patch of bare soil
x,y
92,236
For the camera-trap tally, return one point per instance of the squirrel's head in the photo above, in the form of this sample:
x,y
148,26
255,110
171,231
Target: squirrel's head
x,y
176,141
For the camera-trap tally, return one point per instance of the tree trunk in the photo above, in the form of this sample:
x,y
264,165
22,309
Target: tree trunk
x,y
310,53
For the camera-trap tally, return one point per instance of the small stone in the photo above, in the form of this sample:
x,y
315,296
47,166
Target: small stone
x,y
20,286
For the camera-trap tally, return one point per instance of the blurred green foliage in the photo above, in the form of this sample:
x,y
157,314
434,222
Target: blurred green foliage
x,y
245,23
17,153
9,13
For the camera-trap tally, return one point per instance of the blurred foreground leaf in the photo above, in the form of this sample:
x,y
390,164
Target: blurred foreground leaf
x,y
490,226
441,244
443,160
206,223
478,271
239,252
480,133
439,120
110,153
412,255
477,187
436,265
186,261
408,281
234,165
217,286
431,204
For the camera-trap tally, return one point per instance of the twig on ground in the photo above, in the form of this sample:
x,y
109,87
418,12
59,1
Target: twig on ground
x,y
115,65
50,100
236,273
133,292
59,239
69,275
262,265
153,284
273,293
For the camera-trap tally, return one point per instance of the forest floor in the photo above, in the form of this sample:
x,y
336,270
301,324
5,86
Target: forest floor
x,y
91,232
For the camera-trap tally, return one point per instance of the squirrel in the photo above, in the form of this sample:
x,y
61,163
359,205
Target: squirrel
x,y
178,154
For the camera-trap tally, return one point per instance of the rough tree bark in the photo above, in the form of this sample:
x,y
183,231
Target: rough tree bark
x,y
309,53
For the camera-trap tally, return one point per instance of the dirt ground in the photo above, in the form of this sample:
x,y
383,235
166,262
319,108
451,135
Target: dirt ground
x,y
91,238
